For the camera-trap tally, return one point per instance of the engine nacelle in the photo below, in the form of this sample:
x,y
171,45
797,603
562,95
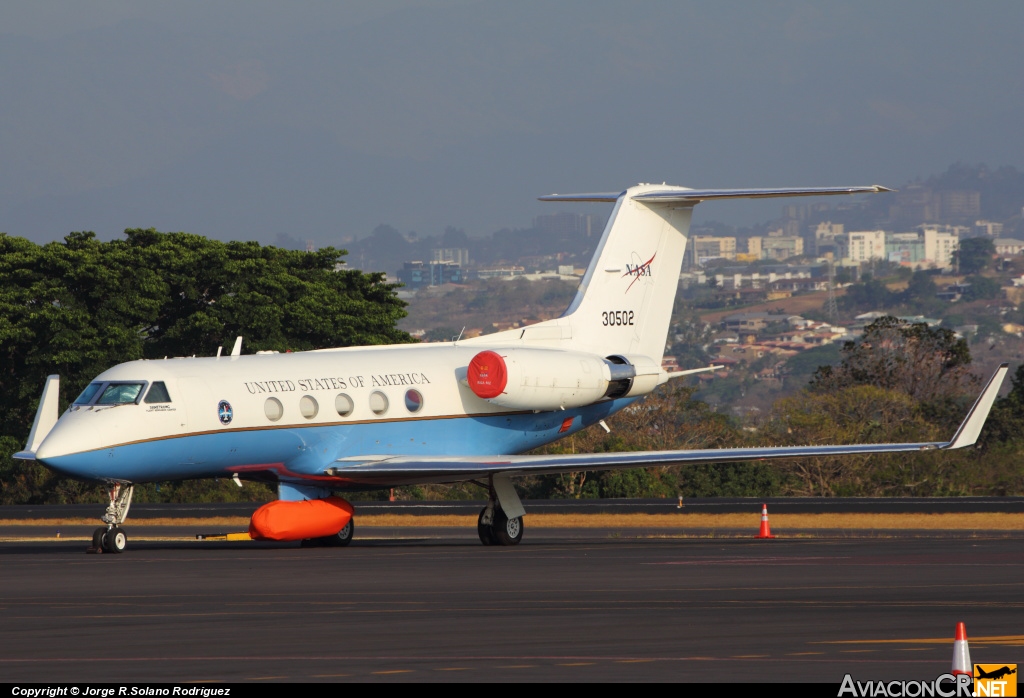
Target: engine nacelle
x,y
547,379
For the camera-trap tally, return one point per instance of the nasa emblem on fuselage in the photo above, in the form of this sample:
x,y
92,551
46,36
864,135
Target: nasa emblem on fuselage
x,y
224,412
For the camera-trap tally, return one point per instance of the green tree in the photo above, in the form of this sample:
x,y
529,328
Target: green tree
x,y
974,255
668,418
921,287
981,288
925,363
868,295
856,414
77,307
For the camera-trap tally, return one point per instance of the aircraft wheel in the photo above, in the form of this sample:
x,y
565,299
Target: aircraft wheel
x,y
115,540
507,531
97,540
342,537
485,531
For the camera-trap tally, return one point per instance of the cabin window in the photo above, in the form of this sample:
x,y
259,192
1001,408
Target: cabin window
x,y
157,393
378,402
308,406
88,394
343,403
413,401
120,394
273,409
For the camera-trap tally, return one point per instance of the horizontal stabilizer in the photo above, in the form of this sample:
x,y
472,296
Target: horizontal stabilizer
x,y
675,195
694,196
606,197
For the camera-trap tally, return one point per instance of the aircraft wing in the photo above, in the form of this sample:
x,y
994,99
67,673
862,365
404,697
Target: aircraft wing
x,y
396,470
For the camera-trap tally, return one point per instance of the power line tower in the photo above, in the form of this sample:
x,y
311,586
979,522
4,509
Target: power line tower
x,y
830,304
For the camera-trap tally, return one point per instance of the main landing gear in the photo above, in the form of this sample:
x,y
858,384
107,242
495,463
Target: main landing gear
x,y
494,526
112,538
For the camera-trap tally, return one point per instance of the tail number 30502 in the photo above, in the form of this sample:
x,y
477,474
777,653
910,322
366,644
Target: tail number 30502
x,y
617,317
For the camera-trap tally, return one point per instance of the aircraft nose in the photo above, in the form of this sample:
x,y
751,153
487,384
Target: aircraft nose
x,y
58,443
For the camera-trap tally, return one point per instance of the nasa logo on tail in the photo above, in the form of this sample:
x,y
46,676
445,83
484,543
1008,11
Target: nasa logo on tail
x,y
638,270
224,412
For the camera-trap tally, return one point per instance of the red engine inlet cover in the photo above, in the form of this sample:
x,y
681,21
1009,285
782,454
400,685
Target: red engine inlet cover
x,y
487,375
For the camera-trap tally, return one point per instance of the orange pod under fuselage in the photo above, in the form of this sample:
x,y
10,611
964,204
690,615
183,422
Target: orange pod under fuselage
x,y
312,518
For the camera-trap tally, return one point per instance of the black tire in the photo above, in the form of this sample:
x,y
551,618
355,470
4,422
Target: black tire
x,y
97,540
485,531
342,537
507,531
115,540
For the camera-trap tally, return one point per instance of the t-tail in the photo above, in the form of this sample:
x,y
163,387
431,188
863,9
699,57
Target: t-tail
x,y
624,304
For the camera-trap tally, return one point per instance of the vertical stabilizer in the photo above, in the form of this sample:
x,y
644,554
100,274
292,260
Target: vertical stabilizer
x,y
624,303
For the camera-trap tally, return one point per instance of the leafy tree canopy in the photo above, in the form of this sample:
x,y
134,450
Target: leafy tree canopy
x,y
79,306
925,363
981,288
868,295
974,254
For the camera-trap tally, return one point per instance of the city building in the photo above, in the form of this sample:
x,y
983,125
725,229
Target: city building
x,y
939,247
701,249
511,272
451,254
780,247
1008,247
825,235
989,228
906,249
417,275
862,246
564,226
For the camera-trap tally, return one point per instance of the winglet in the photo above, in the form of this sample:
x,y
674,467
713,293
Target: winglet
x,y
969,431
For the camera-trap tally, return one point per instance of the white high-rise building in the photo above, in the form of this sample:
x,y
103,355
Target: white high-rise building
x,y
939,247
862,246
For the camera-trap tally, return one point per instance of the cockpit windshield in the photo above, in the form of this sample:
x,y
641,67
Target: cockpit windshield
x,y
88,394
120,394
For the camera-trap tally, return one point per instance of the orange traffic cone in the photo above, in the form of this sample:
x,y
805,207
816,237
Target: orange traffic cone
x,y
766,531
961,652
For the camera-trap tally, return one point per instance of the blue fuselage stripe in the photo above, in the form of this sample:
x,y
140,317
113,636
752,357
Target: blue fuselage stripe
x,y
309,450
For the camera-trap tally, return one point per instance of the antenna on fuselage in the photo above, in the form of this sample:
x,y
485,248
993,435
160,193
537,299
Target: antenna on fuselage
x,y
237,349
219,351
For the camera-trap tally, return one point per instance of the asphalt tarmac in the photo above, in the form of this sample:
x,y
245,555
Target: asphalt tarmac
x,y
566,605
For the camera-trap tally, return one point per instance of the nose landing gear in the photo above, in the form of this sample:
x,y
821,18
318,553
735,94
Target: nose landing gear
x,y
112,538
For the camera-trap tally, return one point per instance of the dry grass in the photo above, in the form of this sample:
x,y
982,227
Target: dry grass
x,y
779,522
212,522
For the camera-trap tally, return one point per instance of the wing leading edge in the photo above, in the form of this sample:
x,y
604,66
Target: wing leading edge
x,y
396,470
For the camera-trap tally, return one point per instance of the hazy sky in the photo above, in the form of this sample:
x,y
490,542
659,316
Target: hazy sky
x,y
322,119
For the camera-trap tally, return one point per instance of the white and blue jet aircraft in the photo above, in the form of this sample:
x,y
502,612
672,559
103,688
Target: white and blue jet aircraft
x,y
321,422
